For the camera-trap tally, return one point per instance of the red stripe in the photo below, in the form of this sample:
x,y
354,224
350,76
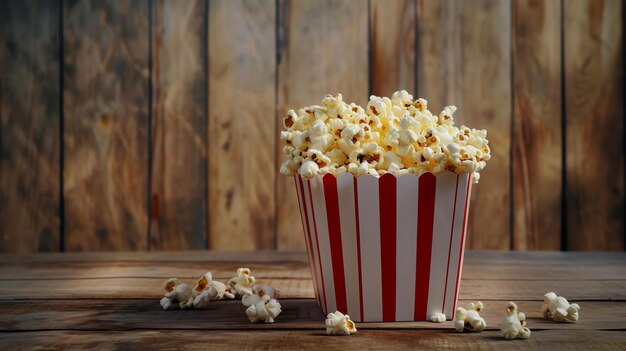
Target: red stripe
x,y
358,246
334,233
425,219
458,270
387,201
307,234
318,248
445,287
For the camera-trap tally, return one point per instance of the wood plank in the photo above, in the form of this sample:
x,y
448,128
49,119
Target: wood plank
x,y
166,256
298,314
392,34
537,125
133,287
106,125
241,132
594,87
29,126
323,49
464,60
179,123
541,258
164,269
151,288
544,258
313,340
153,269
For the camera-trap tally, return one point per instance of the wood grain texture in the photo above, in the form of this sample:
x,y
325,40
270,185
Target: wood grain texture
x,y
106,124
298,314
464,59
323,49
593,46
190,265
392,37
111,310
138,288
151,288
311,340
29,126
242,138
537,153
179,124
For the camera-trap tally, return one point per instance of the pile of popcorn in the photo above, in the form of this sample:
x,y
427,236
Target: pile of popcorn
x,y
397,136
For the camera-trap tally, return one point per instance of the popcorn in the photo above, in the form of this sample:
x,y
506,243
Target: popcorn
x,y
241,284
260,293
513,326
176,292
468,318
309,169
396,135
339,324
260,300
559,309
264,311
438,318
207,290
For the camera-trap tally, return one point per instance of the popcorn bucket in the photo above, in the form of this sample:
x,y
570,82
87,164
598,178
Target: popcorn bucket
x,y
385,249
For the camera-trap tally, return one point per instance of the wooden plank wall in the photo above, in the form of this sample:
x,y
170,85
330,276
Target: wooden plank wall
x,y
153,124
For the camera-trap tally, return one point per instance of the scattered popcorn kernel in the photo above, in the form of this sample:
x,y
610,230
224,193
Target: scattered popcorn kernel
x,y
242,283
208,290
175,292
468,318
559,309
339,324
260,292
513,326
264,311
438,318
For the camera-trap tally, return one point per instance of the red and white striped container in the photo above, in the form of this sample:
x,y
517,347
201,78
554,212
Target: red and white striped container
x,y
385,249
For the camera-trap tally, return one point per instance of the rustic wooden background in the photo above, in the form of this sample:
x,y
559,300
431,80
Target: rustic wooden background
x,y
153,125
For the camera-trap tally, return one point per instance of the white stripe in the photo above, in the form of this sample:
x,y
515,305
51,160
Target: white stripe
x,y
321,221
309,207
406,246
457,231
306,235
347,219
444,205
369,228
469,195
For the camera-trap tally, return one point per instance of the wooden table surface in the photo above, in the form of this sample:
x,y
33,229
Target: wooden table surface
x,y
111,301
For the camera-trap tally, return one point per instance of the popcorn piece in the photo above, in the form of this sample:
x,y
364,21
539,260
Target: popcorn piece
x,y
264,311
438,318
290,120
201,297
309,169
559,309
513,326
339,324
468,318
241,284
260,293
176,292
207,290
